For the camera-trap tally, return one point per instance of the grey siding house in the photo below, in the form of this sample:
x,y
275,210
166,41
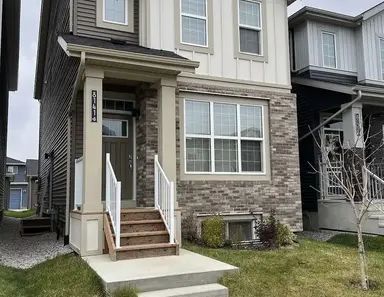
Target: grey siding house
x,y
9,61
338,60
148,121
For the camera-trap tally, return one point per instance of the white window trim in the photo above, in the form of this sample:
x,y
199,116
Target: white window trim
x,y
206,45
381,40
212,137
117,120
255,28
126,13
322,49
13,169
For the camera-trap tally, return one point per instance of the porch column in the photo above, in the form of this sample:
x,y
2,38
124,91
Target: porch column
x,y
353,126
86,227
167,126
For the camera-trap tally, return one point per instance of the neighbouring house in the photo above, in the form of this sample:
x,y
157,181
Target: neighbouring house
x,y
159,112
338,76
22,187
9,65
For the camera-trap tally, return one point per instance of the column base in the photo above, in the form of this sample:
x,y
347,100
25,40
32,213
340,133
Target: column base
x,y
86,233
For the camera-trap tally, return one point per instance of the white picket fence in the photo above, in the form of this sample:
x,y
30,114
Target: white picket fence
x,y
165,199
113,198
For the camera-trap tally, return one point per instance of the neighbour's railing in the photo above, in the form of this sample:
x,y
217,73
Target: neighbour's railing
x,y
79,169
375,189
113,198
165,199
377,169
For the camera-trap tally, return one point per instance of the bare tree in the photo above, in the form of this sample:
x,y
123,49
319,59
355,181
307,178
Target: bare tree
x,y
348,168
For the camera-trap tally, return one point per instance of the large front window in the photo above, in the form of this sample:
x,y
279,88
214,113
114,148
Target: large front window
x,y
329,50
223,137
115,11
194,22
250,26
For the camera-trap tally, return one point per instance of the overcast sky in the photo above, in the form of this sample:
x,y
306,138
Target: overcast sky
x,y
23,128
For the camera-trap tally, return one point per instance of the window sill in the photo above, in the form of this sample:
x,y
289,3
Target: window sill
x,y
204,49
115,26
224,177
251,57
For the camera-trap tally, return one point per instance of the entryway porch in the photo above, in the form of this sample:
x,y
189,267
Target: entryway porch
x,y
124,152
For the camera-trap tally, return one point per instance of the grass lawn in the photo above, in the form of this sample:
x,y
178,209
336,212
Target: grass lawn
x,y
65,276
20,214
316,269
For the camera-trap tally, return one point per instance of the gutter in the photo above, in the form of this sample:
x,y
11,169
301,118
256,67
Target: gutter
x,y
358,98
78,80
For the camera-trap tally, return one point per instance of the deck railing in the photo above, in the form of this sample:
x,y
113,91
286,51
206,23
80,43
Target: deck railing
x,y
113,198
165,199
375,189
79,169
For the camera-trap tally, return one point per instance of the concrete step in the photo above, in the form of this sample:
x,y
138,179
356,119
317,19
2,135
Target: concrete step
x,y
140,238
147,251
381,225
210,290
138,214
376,216
142,226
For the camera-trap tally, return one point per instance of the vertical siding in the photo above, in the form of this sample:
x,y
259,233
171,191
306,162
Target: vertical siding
x,y
345,45
301,53
372,30
85,23
60,73
160,33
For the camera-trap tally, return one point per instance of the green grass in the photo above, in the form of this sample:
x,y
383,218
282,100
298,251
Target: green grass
x,y
20,214
316,269
64,276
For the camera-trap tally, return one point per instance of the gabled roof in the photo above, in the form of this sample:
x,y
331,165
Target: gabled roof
x,y
32,167
11,161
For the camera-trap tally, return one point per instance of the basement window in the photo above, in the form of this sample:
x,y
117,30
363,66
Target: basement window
x,y
240,231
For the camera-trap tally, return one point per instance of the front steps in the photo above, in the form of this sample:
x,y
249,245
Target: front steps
x,y
187,275
35,226
143,235
211,290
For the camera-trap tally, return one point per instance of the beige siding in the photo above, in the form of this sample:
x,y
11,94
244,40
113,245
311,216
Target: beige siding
x,y
158,31
85,23
60,73
301,46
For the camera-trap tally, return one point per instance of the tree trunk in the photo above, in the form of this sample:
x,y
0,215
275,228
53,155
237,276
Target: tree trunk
x,y
363,259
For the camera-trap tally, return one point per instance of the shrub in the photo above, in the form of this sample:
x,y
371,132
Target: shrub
x,y
125,292
189,227
212,232
285,236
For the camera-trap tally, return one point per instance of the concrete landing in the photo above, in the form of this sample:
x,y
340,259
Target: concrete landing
x,y
162,273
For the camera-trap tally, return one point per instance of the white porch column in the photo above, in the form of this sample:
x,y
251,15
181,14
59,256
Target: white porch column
x,y
353,126
167,126
86,228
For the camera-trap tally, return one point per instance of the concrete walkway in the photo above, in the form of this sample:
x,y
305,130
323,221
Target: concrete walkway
x,y
25,252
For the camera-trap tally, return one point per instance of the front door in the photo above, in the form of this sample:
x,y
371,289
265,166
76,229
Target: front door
x,y
118,141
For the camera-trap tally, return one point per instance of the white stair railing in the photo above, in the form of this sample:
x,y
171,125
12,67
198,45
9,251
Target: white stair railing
x,y
165,199
113,198
375,189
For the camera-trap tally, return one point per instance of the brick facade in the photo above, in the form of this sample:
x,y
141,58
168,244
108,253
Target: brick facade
x,y
281,193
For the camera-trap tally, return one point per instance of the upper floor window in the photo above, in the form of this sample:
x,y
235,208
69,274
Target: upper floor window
x,y
116,11
13,169
329,50
223,138
382,57
250,27
194,22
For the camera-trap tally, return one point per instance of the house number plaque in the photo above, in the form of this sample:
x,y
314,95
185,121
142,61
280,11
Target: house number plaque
x,y
94,107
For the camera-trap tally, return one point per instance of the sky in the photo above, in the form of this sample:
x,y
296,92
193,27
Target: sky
x,y
23,127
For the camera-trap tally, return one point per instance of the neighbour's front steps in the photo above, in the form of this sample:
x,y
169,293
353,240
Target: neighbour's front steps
x,y
188,275
143,235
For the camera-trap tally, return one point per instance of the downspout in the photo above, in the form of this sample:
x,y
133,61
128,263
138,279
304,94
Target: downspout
x,y
79,77
358,98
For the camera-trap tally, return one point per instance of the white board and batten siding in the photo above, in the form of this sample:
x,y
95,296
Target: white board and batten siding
x,y
157,30
309,51
372,30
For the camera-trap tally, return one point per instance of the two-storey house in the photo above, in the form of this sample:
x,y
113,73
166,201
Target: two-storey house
x,y
338,76
22,189
9,61
161,112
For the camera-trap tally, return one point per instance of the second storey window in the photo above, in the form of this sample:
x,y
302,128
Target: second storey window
x,y
329,50
250,26
13,169
194,22
382,57
115,11
223,137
